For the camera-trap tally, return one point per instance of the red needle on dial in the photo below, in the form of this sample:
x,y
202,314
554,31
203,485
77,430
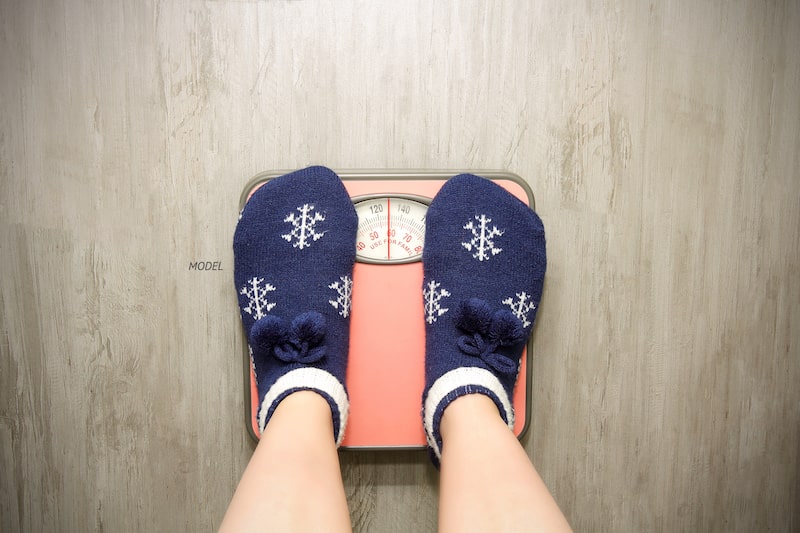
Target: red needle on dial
x,y
388,228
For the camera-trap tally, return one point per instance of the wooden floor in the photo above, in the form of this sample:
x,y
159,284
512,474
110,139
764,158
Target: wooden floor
x,y
661,140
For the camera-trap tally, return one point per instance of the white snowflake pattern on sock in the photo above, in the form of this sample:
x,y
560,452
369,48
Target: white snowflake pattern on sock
x,y
257,304
521,307
344,289
482,242
433,295
304,224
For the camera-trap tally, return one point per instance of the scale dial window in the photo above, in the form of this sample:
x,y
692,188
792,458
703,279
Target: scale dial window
x,y
391,228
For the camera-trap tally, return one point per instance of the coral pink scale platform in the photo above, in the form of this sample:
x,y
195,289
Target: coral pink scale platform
x,y
386,364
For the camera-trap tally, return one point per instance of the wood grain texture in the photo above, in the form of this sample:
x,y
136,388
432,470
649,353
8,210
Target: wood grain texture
x,y
660,138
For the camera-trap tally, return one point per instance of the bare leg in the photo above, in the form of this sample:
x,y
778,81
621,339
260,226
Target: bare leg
x,y
293,481
488,482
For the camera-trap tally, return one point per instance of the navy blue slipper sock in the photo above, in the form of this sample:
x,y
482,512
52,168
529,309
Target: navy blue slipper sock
x,y
484,263
294,249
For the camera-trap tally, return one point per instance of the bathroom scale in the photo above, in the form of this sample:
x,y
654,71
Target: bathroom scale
x,y
386,363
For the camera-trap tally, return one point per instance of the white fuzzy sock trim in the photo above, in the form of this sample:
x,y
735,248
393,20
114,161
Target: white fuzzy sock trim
x,y
457,378
308,378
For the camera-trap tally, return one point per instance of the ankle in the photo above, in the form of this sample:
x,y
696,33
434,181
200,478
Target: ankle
x,y
306,409
307,401
471,411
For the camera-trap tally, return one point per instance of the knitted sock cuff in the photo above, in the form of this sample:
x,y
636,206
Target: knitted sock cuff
x,y
454,384
314,379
